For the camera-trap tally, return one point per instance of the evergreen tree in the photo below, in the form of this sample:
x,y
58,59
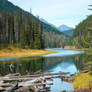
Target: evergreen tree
x,y
22,32
27,31
37,42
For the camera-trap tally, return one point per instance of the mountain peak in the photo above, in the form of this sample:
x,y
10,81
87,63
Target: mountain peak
x,y
65,28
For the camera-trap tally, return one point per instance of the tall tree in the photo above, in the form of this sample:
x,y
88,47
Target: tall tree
x,y
37,42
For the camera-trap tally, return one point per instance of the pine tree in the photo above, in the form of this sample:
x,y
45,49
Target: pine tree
x,y
37,42
22,31
11,29
27,31
42,36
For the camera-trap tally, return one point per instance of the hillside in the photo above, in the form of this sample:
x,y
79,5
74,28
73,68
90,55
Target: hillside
x,y
82,37
68,32
23,29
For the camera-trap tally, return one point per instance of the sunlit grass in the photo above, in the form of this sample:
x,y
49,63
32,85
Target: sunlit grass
x,y
83,49
16,52
82,81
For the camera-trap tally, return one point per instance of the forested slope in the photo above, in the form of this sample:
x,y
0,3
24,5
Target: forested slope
x,y
22,29
82,37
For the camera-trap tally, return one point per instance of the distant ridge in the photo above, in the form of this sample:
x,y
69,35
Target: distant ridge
x,y
66,30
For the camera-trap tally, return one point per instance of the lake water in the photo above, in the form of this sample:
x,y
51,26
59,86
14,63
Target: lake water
x,y
62,61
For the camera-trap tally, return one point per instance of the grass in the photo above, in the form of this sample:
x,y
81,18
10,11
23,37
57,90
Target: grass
x,y
16,52
83,81
83,49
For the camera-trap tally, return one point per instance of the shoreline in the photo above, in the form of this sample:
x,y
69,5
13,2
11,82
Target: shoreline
x,y
16,52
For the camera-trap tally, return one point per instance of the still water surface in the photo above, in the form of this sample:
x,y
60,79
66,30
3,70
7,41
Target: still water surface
x,y
63,61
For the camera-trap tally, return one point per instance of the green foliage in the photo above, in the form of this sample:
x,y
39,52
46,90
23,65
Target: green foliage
x,y
82,37
37,43
27,34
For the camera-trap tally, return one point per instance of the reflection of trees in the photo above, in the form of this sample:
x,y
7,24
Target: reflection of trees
x,y
88,59
21,66
79,61
29,65
52,62
11,66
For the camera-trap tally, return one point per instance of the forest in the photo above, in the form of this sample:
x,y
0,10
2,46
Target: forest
x,y
19,31
82,35
23,30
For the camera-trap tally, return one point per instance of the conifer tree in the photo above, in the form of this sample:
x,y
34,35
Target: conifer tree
x,y
27,31
22,31
37,43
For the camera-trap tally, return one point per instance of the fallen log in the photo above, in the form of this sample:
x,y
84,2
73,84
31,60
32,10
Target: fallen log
x,y
49,79
63,73
35,80
50,84
35,75
38,80
17,79
5,85
12,88
69,79
16,74
2,89
84,71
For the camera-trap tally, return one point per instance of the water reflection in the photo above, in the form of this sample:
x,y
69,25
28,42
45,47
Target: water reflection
x,y
70,64
22,66
55,64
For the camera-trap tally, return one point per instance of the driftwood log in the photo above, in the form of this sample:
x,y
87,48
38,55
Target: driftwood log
x,y
12,87
35,83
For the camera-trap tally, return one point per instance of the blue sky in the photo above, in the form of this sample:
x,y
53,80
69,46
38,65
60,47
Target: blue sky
x,y
57,12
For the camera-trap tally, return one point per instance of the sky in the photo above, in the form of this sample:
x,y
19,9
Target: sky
x,y
57,12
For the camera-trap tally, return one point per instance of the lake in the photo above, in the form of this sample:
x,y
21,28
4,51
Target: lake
x,y
62,61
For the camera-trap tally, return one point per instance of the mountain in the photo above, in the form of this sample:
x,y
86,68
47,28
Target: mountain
x,y
66,30
6,6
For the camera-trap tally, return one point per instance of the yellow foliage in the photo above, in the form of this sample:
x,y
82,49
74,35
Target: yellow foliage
x,y
82,81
